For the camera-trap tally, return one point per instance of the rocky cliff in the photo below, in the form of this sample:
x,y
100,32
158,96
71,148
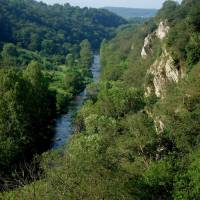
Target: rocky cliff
x,y
164,70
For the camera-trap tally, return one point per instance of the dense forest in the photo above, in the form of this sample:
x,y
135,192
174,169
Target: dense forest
x,y
45,58
53,30
138,134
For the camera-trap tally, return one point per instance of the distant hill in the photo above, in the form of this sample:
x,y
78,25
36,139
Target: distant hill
x,y
33,24
129,13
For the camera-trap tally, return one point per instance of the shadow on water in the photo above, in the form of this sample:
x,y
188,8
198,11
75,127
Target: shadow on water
x,y
63,126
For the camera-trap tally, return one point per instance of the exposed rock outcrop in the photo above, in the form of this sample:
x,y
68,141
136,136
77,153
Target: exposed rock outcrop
x,y
160,32
147,47
163,71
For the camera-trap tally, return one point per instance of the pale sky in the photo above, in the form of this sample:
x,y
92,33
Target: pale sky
x,y
115,3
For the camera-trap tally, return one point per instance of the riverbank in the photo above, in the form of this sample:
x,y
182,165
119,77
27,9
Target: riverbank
x,y
63,126
58,133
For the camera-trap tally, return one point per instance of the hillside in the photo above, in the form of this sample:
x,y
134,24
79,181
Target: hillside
x,y
138,135
40,27
129,13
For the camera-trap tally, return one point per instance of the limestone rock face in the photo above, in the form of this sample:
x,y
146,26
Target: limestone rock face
x,y
162,30
163,71
147,49
172,72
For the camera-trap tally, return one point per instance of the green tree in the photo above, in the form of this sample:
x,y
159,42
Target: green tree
x,y
13,117
85,54
9,54
70,60
193,49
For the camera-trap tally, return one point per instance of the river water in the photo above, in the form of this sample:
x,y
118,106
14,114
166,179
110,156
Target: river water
x,y
63,126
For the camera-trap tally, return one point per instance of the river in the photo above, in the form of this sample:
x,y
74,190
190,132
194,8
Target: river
x,y
63,126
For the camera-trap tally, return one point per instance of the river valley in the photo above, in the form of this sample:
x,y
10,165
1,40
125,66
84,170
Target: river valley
x,y
63,126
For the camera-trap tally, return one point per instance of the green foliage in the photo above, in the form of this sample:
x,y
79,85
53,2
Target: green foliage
x,y
194,16
70,79
181,111
13,56
34,41
193,50
168,10
66,82
176,37
70,61
122,100
50,29
183,39
85,54
27,107
9,54
187,183
12,90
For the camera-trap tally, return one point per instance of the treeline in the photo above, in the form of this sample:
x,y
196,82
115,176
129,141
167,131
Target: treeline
x,y
54,30
117,153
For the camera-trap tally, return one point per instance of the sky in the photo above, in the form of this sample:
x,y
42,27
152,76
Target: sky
x,y
115,3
